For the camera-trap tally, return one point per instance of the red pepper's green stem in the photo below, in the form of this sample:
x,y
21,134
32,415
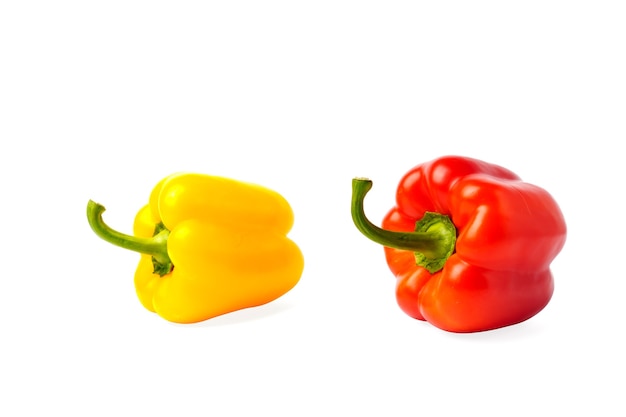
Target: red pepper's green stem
x,y
432,241
155,246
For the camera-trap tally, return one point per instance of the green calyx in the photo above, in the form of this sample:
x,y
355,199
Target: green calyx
x,y
433,240
443,233
156,246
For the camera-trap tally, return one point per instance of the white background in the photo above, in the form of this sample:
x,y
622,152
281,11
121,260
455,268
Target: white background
x,y
100,100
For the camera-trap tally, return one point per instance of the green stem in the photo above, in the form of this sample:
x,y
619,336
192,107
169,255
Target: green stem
x,y
155,246
432,241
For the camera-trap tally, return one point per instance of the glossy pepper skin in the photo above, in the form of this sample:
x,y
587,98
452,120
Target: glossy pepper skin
x,y
492,267
209,246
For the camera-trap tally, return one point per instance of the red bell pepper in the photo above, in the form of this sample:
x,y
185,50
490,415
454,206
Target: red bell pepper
x,y
469,243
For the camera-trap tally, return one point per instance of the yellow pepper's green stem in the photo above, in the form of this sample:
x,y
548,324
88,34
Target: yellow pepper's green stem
x,y
155,246
432,241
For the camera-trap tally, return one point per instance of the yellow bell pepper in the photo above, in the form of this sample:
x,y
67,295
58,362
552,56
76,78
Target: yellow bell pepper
x,y
209,246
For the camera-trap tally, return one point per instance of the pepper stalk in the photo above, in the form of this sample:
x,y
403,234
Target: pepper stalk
x,y
155,246
432,242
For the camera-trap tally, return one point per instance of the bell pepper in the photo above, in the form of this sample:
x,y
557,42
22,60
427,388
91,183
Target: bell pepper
x,y
209,246
469,242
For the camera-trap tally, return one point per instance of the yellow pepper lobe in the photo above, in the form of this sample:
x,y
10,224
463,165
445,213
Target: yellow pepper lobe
x,y
221,201
144,222
146,282
220,270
